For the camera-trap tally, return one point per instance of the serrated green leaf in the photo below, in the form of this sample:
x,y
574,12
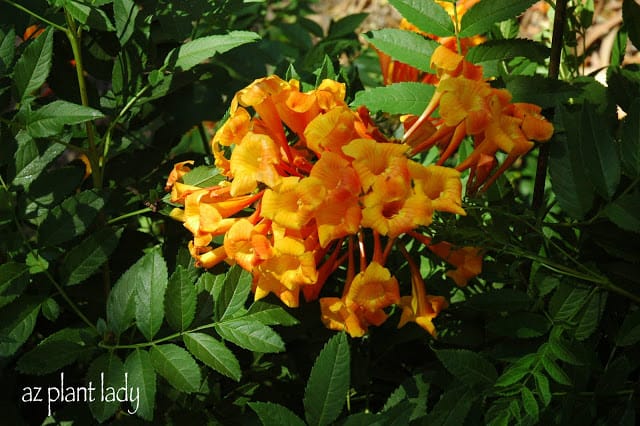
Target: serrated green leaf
x,y
589,317
121,308
516,371
346,25
7,49
271,414
630,144
71,218
236,288
483,15
507,49
468,366
541,91
453,407
142,377
568,177
125,13
176,365
51,118
631,17
33,66
598,152
397,98
427,15
414,390
106,371
542,385
91,16
555,372
17,322
269,314
86,258
50,309
32,157
152,279
213,353
623,211
180,300
529,403
196,51
629,333
561,350
567,301
250,335
328,383
203,176
404,46
14,278
49,356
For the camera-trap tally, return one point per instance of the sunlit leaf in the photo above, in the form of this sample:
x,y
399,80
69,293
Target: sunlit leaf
x,y
397,98
250,335
51,118
177,366
404,46
180,301
142,377
483,15
106,371
213,353
33,66
150,290
427,15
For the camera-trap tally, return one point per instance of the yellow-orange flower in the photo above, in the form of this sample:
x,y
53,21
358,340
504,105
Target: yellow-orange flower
x,y
293,202
467,261
363,301
253,161
334,129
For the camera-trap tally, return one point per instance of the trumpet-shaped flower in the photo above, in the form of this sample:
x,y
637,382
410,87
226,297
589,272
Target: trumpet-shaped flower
x,y
293,202
333,130
253,161
467,261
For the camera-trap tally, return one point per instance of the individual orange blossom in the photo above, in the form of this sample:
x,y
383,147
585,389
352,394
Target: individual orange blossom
x,y
466,260
253,161
293,201
334,129
247,244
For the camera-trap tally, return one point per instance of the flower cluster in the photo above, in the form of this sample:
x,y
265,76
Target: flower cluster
x,y
306,178
309,183
469,106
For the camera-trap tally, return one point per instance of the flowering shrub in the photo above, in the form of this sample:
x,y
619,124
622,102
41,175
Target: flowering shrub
x,y
371,234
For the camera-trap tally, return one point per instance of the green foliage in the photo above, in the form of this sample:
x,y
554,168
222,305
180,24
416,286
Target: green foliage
x,y
97,285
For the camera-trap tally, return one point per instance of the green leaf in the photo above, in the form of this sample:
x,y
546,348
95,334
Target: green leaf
x,y
250,335
71,218
631,17
589,317
492,50
567,301
542,91
269,314
142,377
105,371
151,286
555,372
7,50
86,258
517,371
598,151
529,403
125,13
196,51
181,299
346,26
14,278
629,333
414,390
568,178
453,407
560,349
213,353
91,16
51,118
483,15
271,414
542,385
203,176
32,68
521,325
50,309
397,98
176,365
404,46
236,288
121,307
427,15
630,144
328,383
17,322
49,356
32,157
468,366
624,211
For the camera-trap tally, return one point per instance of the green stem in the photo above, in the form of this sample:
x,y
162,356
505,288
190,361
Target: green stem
x,y
74,35
155,342
456,27
35,15
557,42
128,215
